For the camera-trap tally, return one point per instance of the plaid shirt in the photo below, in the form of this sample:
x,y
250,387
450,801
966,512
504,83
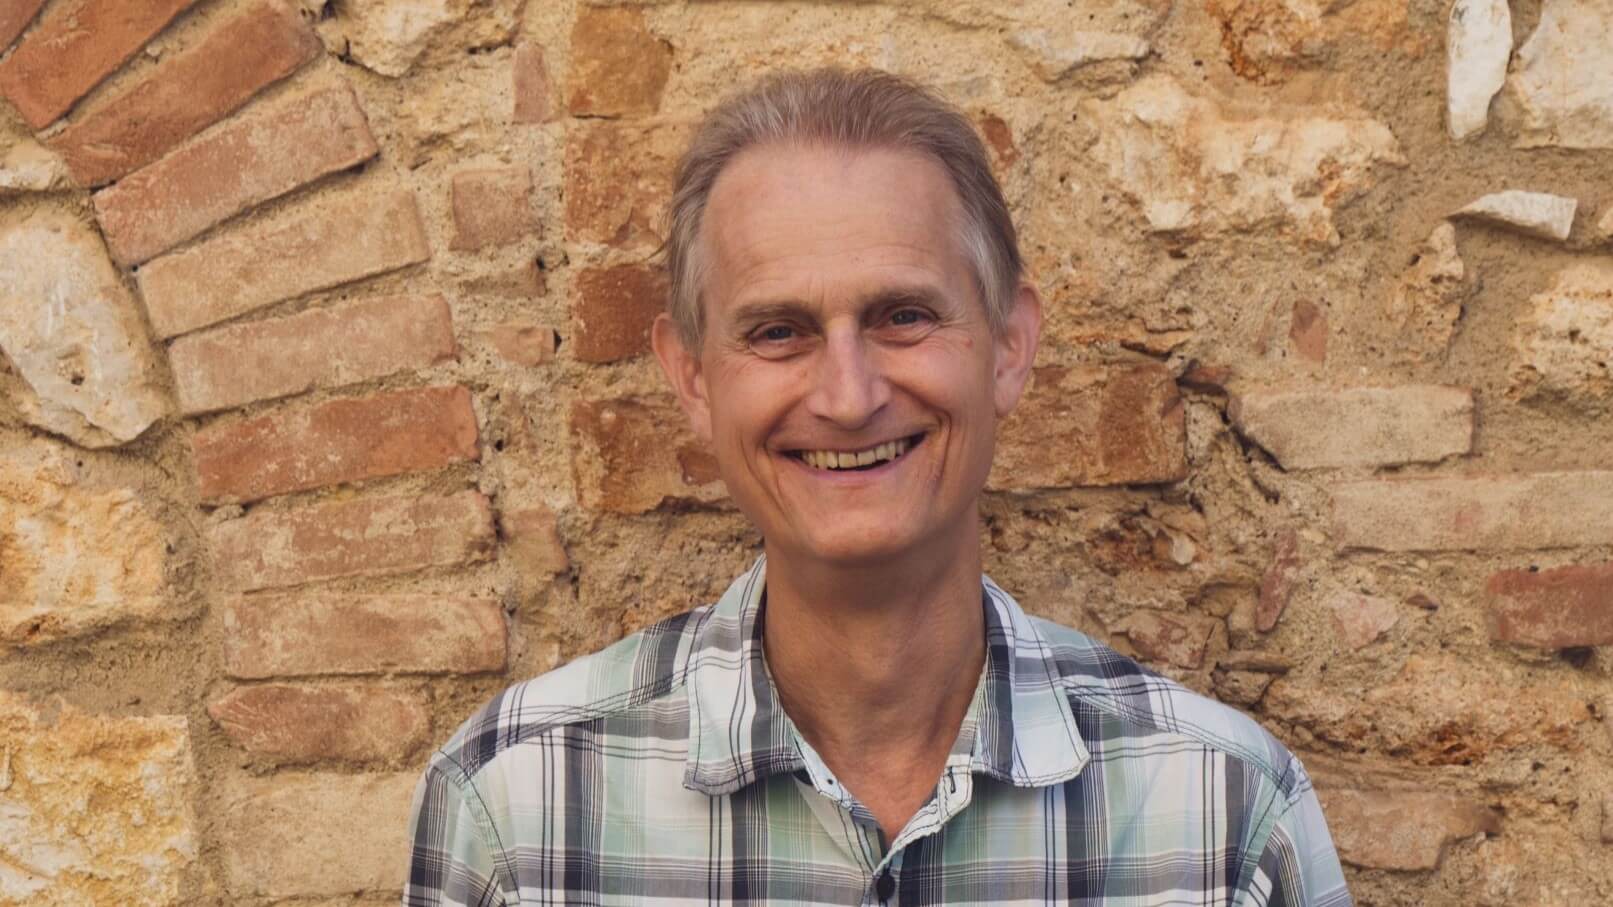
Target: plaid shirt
x,y
663,770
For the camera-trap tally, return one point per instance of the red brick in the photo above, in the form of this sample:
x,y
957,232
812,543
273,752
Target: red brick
x,y
1177,639
187,92
14,17
263,154
1093,426
291,724
1206,378
1277,584
332,240
346,440
613,310
1553,609
492,208
365,537
308,834
289,635
519,343
76,44
533,543
617,67
1402,829
1359,426
1307,331
1542,510
618,180
329,347
999,139
634,454
531,87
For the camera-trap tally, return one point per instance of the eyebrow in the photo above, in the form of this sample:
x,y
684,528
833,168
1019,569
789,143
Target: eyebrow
x,y
750,314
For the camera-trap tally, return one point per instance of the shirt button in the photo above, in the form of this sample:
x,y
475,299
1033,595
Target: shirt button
x,y
885,886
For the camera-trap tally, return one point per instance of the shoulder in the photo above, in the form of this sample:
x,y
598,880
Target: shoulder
x,y
1129,700
647,667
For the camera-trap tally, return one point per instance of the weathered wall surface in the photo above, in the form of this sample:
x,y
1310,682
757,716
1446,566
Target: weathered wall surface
x,y
324,408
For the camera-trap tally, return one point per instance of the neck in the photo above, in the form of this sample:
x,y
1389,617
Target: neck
x,y
876,664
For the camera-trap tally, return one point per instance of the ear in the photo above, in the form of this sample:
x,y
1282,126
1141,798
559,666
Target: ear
x,y
1016,348
683,372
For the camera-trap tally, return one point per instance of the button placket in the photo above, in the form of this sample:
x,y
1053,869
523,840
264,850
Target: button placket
x,y
886,886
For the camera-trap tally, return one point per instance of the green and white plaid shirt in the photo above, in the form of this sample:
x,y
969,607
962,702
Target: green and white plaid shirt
x,y
663,771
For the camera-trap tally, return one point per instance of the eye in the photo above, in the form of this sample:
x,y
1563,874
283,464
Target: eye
x,y
909,317
776,339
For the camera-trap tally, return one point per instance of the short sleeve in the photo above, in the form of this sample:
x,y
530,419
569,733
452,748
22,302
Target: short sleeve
x,y
451,857
1298,866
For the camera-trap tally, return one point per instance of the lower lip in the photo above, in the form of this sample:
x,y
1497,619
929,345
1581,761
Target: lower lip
x,y
855,476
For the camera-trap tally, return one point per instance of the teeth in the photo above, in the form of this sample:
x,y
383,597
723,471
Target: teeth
x,y
831,459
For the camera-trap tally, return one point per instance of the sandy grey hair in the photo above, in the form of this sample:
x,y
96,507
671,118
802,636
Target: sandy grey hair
x,y
854,109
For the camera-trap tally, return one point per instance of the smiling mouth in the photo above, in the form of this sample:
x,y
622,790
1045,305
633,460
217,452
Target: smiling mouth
x,y
858,460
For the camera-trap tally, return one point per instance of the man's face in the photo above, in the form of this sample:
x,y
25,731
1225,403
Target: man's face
x,y
844,326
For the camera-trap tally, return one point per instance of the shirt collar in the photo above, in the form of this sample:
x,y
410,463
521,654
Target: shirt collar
x,y
1023,731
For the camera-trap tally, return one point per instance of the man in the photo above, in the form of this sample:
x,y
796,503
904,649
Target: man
x,y
863,717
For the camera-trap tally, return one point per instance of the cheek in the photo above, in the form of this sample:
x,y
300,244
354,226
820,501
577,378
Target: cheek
x,y
749,398
953,378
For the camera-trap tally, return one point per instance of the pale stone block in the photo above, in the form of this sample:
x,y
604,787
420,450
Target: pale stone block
x,y
1420,313
1534,213
1478,44
27,166
1056,55
1561,77
1563,345
73,332
1402,829
94,809
1199,166
389,37
1360,620
73,559
1440,710
306,835
1361,426
1483,513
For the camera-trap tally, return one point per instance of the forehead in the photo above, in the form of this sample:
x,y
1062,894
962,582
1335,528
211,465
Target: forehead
x,y
819,221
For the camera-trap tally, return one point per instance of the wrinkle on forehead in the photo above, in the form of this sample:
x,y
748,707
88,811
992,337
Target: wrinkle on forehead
x,y
800,216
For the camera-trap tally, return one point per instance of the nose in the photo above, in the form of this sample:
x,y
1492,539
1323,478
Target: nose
x,y
848,383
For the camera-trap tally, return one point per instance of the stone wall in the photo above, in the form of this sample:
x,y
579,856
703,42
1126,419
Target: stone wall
x,y
324,408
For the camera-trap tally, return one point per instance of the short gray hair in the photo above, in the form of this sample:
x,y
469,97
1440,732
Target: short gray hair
x,y
853,109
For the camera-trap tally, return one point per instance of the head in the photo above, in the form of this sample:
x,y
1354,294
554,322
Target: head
x,y
846,289
854,110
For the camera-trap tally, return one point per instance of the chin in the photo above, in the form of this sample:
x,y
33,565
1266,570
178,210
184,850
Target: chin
x,y
857,549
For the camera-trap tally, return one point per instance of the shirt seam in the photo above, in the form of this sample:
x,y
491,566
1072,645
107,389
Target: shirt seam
x,y
1254,853
675,679
1280,779
587,713
484,821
